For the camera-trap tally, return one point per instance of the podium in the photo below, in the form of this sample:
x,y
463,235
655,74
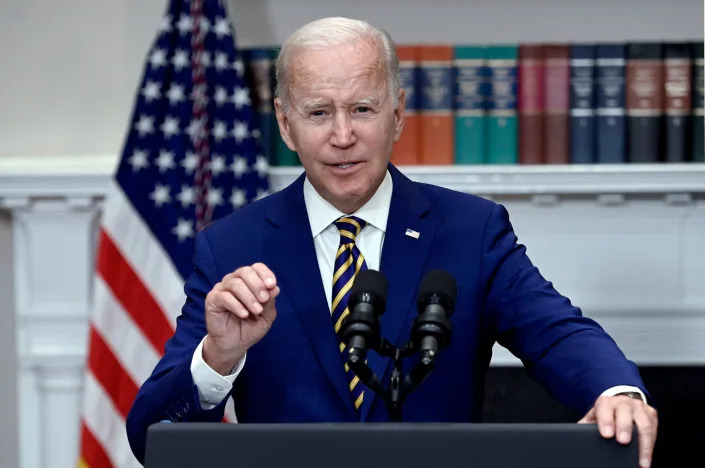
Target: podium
x,y
385,445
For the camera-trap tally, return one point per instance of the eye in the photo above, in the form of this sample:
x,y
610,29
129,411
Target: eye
x,y
362,109
317,113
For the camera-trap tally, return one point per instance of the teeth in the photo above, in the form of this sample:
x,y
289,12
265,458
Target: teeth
x,y
344,166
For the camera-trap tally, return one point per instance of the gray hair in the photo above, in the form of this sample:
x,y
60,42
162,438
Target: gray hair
x,y
328,32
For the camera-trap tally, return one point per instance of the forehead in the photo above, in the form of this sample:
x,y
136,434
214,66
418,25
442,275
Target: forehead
x,y
338,66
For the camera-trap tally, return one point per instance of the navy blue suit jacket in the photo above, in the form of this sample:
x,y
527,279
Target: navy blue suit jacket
x,y
295,374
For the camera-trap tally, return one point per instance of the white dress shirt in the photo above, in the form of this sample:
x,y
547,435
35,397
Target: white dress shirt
x,y
213,387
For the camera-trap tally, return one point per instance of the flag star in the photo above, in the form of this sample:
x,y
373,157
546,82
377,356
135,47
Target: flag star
x,y
256,134
151,91
239,166
145,125
241,98
180,59
220,130
187,196
220,96
160,195
237,198
199,95
165,25
165,161
184,24
183,229
240,131
190,162
170,127
195,129
261,193
221,61
261,166
157,58
239,67
206,58
138,160
205,25
222,28
175,94
217,165
215,197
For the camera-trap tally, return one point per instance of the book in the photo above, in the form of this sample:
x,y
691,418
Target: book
x,y
470,91
501,120
583,129
610,97
406,149
436,105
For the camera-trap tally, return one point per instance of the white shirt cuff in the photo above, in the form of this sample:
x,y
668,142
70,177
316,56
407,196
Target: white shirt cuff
x,y
212,387
623,388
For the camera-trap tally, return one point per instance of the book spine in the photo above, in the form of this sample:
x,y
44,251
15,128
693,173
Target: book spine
x,y
556,93
698,145
283,156
436,105
531,104
258,75
469,92
677,101
406,149
644,101
502,121
611,103
583,127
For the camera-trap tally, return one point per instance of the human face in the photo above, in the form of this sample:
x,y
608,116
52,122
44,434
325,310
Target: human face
x,y
341,120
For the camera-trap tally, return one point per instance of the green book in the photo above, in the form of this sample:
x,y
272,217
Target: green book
x,y
469,91
502,105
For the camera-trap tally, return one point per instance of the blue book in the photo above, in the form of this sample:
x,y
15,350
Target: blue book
x,y
611,103
583,129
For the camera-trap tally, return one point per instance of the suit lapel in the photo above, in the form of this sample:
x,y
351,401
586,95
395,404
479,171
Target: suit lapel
x,y
292,257
403,260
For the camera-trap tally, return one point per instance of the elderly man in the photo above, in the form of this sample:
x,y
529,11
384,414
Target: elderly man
x,y
271,281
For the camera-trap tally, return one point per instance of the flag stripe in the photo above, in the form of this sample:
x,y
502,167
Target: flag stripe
x,y
111,375
106,424
131,293
142,251
137,356
92,453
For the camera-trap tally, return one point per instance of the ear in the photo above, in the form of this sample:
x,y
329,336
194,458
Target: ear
x,y
284,124
399,115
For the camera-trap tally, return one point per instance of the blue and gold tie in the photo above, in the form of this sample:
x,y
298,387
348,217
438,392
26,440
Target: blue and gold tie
x,y
348,263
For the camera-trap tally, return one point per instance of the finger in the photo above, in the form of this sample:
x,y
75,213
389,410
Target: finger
x,y
647,427
604,414
254,283
270,280
624,417
226,301
244,294
270,312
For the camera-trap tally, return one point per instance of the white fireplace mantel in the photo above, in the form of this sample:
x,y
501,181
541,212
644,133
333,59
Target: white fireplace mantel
x,y
625,242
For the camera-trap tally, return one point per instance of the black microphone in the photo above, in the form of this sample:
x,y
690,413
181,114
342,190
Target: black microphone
x,y
432,329
360,328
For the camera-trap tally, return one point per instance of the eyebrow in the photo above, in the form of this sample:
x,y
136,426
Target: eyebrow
x,y
312,104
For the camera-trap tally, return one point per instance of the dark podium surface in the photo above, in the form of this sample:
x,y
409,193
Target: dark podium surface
x,y
384,445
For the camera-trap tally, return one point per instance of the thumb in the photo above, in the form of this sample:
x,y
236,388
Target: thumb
x,y
589,417
270,311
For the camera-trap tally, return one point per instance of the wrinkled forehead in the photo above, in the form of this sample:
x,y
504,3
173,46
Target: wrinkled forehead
x,y
336,63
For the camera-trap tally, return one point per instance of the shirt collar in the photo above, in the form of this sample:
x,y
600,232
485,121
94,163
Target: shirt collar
x,y
322,214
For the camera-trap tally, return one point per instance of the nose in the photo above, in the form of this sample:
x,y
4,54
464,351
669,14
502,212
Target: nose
x,y
343,135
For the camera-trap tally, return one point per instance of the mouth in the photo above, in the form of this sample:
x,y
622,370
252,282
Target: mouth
x,y
345,165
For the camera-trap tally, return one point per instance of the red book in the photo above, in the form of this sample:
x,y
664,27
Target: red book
x,y
556,92
531,102
406,149
437,144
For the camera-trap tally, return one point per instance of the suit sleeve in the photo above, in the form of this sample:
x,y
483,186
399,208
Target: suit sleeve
x,y
569,354
170,394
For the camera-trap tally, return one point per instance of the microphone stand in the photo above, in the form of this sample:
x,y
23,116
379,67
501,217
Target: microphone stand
x,y
398,390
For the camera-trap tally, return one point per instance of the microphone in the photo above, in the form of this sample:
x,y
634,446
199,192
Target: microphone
x,y
432,329
360,328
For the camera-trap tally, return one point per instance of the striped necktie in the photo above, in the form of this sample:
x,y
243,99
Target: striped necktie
x,y
348,262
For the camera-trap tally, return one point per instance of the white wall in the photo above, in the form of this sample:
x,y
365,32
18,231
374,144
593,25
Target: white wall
x,y
8,370
70,68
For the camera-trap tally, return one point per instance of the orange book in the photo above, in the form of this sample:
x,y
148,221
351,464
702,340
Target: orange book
x,y
406,149
437,145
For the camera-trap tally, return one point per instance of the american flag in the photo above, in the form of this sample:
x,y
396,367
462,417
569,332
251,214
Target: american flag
x,y
190,156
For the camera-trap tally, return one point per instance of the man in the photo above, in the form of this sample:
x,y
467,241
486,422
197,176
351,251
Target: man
x,y
271,281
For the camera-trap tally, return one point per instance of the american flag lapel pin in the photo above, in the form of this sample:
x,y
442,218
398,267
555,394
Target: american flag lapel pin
x,y
412,233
